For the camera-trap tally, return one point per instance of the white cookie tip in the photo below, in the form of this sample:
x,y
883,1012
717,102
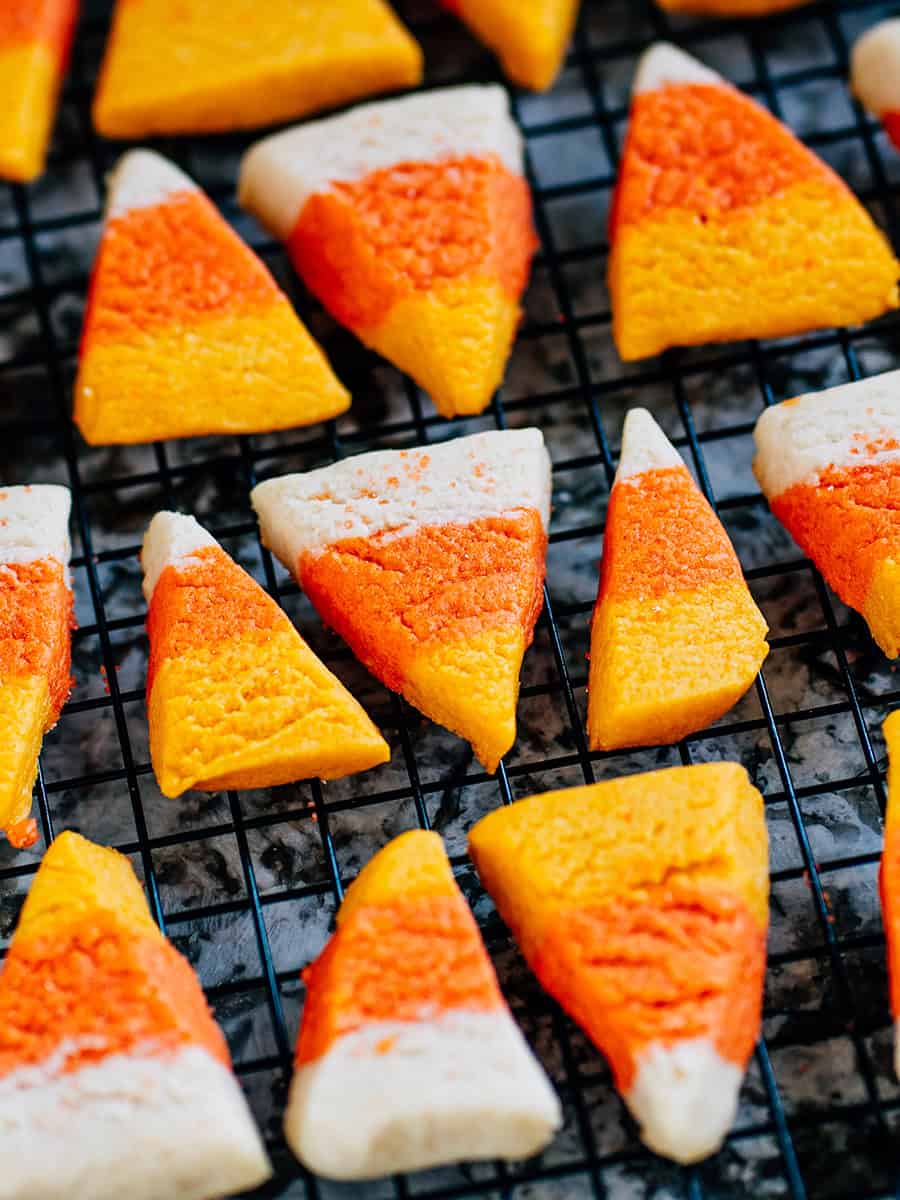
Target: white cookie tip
x,y
34,523
665,64
170,540
143,179
875,67
644,447
685,1099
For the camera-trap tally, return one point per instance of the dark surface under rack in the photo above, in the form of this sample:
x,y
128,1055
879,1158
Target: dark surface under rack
x,y
247,885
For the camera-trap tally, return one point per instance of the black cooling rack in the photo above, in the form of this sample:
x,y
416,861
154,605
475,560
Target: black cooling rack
x,y
247,885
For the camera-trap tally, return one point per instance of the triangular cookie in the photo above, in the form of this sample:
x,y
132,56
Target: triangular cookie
x,y
198,66
676,638
724,226
186,332
875,74
829,465
529,39
114,1078
34,47
430,563
236,699
408,1056
411,221
642,906
35,640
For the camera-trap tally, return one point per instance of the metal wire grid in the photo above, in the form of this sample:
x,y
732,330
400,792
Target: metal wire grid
x,y
838,1147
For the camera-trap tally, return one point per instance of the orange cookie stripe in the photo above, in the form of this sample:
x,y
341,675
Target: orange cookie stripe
x,y
401,961
709,150
204,603
48,22
362,247
669,964
106,990
172,264
388,596
661,537
848,521
36,614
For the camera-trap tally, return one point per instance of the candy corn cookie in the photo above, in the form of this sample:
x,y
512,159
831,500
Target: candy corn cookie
x,y
235,697
408,1056
34,46
724,226
829,465
200,66
529,39
875,74
889,876
35,641
114,1078
186,332
642,907
430,564
411,221
676,638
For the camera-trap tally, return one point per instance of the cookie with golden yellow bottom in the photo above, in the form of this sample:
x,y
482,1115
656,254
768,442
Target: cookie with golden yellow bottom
x,y
35,640
186,332
408,1056
676,638
430,564
889,875
724,226
34,46
207,66
235,697
114,1078
829,465
411,221
530,40
875,74
642,906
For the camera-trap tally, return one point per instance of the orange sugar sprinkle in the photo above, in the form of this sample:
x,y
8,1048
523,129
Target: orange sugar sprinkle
x,y
172,264
36,615
662,536
387,596
361,247
209,601
847,522
889,881
708,150
50,22
672,963
408,961
101,985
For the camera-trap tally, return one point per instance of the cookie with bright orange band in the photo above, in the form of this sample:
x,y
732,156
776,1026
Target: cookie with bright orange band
x,y
114,1078
35,640
200,66
889,875
235,697
875,74
529,39
430,564
724,226
408,1056
34,46
676,638
186,331
411,221
829,465
641,904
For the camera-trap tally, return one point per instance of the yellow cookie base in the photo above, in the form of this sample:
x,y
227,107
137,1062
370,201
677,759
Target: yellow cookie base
x,y
205,66
529,39
254,714
664,668
806,259
24,711
882,607
248,373
455,342
471,687
29,83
